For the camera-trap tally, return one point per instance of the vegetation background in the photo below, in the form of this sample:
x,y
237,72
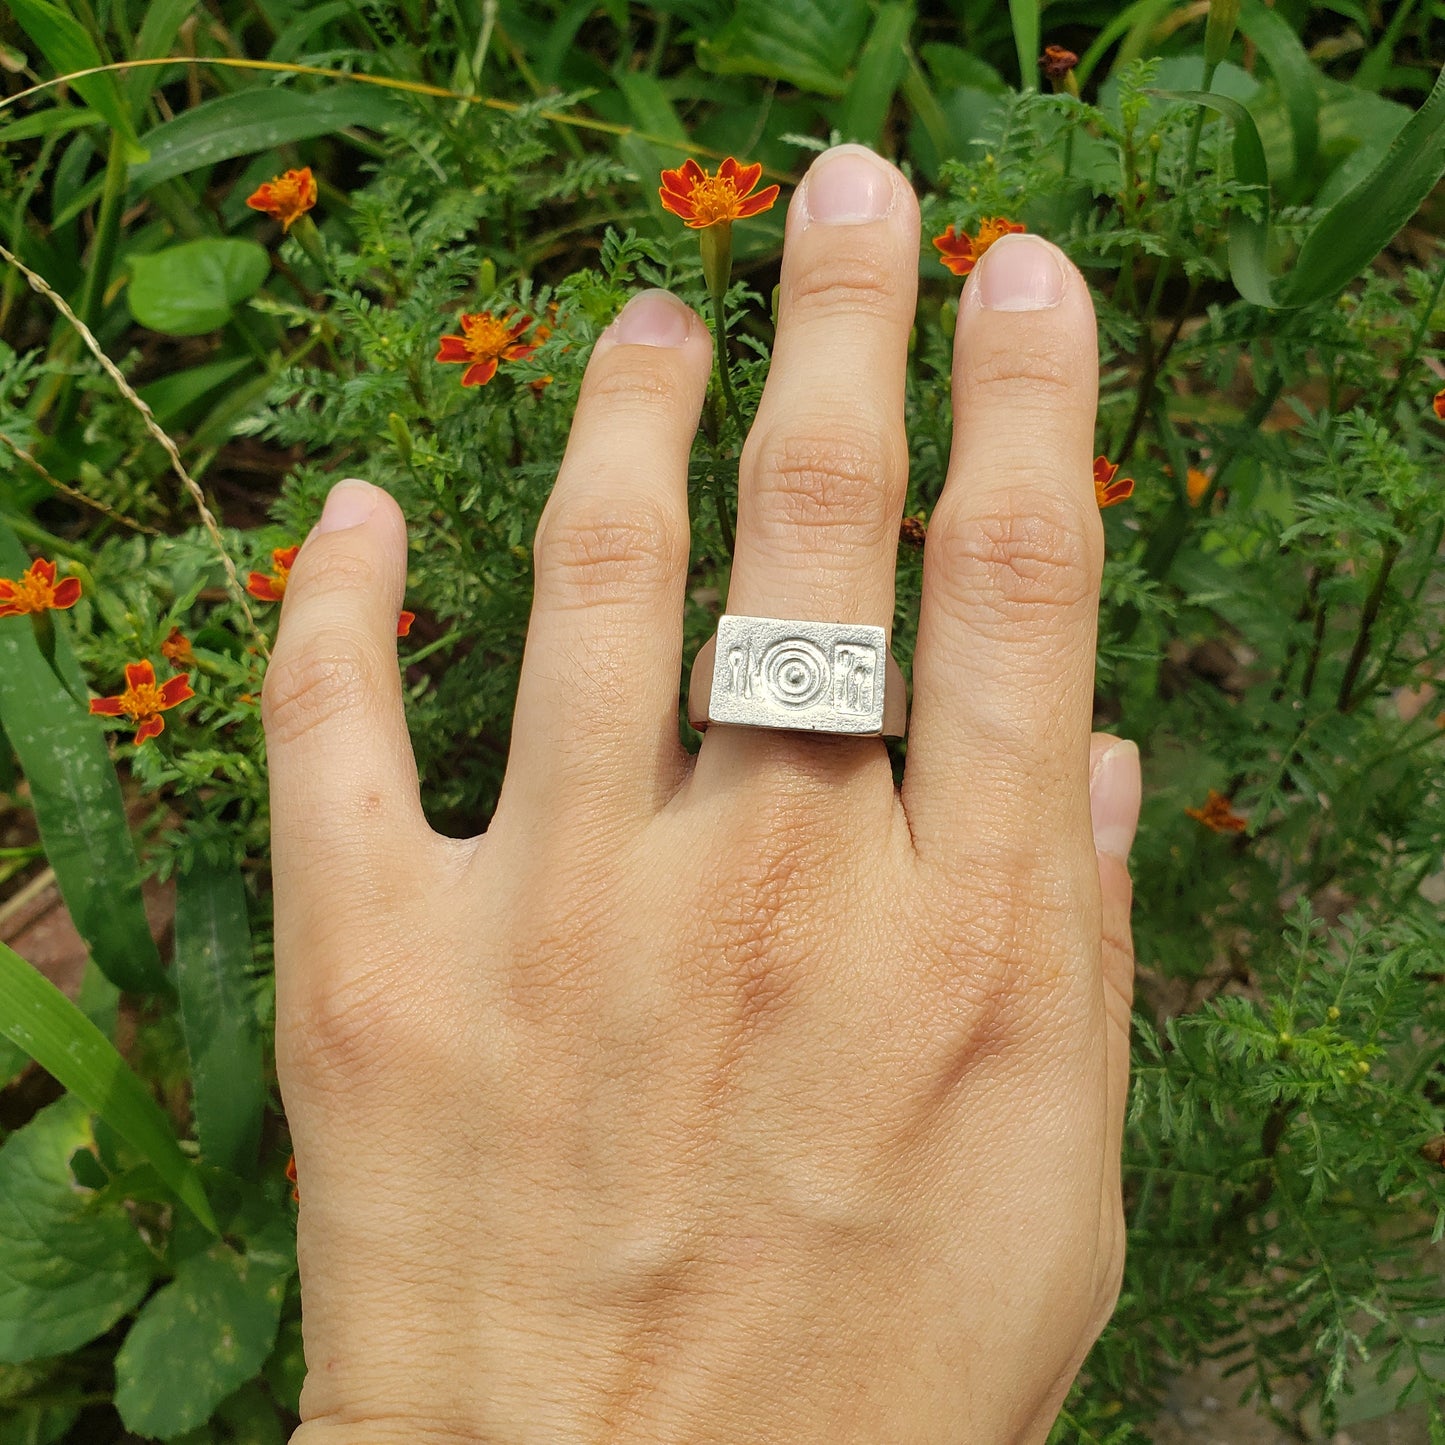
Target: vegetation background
x,y
1251,190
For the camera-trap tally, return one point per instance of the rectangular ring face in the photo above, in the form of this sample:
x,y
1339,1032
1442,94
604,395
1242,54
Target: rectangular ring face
x,y
824,677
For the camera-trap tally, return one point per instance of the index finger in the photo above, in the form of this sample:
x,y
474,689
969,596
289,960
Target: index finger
x,y
1004,670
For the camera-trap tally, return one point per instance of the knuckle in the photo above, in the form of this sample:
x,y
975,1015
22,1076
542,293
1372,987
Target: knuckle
x,y
308,684
848,281
632,385
320,568
607,548
345,1037
1035,371
1023,563
829,475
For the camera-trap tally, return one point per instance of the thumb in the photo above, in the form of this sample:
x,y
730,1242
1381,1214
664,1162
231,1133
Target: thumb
x,y
1114,794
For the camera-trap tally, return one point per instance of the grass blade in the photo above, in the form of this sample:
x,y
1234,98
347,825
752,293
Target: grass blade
x,y
63,41
54,1032
223,1038
77,800
1353,231
1293,73
1024,15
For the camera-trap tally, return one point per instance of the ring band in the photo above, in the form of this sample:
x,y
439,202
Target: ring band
x,y
817,677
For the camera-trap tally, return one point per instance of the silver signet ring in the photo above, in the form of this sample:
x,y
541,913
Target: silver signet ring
x,y
815,677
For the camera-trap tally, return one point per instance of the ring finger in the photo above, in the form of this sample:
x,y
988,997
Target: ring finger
x,y
825,467
824,470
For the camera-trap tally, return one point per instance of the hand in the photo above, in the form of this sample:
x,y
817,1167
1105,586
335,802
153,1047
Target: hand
x,y
737,1098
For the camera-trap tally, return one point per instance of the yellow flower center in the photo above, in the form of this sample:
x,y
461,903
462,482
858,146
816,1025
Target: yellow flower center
x,y
989,231
486,337
141,702
288,196
715,199
33,593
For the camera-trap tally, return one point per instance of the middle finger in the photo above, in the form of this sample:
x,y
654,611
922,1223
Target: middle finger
x,y
825,468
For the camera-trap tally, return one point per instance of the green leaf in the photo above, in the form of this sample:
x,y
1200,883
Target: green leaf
x,y
878,76
66,45
223,1036
1295,75
202,1336
55,121
171,396
1024,16
59,1037
157,32
806,43
1353,231
193,288
69,1269
77,800
257,120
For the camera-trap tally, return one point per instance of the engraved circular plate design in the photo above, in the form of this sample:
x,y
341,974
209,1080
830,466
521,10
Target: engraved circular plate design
x,y
797,673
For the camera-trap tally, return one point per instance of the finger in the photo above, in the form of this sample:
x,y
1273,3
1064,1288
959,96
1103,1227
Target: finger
x,y
1004,668
823,473
343,778
596,723
1114,796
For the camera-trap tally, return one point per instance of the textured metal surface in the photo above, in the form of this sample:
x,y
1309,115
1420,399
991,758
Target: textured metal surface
x,y
825,677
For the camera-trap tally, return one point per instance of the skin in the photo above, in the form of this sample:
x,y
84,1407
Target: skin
x,y
740,1098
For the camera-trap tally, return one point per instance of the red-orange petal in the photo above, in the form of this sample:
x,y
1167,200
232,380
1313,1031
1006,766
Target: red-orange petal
x,y
10,609
1104,471
67,594
263,586
106,706
45,570
744,178
678,205
453,348
480,372
763,201
140,674
1439,404
404,622
150,727
176,690
285,557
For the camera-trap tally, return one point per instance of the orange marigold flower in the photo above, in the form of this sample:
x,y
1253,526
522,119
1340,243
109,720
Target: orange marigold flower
x,y
37,591
485,341
1218,814
1196,483
291,1178
961,252
271,586
1108,492
404,622
143,700
703,199
1057,61
1439,404
177,648
285,198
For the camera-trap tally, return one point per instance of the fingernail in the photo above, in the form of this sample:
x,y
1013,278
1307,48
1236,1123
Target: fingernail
x,y
348,504
1114,795
1019,272
847,186
652,318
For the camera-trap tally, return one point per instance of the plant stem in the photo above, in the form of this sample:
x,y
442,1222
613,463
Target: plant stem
x,y
730,400
1346,698
97,274
1422,327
